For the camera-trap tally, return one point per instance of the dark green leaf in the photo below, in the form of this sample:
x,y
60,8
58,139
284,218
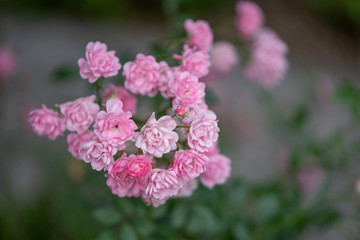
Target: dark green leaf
x,y
127,232
107,216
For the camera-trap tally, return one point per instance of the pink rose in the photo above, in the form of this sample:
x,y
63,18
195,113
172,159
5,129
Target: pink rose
x,y
203,132
128,99
197,111
157,136
249,18
195,62
114,126
162,185
128,187
189,164
99,62
189,90
47,122
188,188
166,80
75,140
217,171
142,75
223,57
8,62
139,166
128,176
79,114
200,34
98,154
268,62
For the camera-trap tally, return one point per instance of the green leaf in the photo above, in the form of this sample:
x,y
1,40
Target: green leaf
x,y
210,97
66,73
107,216
178,215
267,206
127,232
106,235
202,220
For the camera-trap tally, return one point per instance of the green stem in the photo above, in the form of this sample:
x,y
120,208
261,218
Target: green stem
x,y
183,126
98,91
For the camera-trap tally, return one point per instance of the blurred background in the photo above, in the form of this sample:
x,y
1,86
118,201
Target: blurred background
x,y
294,149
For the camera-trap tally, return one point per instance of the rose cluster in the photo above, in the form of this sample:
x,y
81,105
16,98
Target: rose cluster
x,y
268,63
157,158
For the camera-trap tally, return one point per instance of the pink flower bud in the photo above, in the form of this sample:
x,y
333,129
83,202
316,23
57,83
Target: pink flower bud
x,y
180,111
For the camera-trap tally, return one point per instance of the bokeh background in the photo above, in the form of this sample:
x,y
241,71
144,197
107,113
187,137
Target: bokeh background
x,y
294,149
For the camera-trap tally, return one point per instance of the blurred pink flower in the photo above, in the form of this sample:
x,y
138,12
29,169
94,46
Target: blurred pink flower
x,y
8,62
99,62
129,100
76,139
79,114
268,62
47,122
188,164
157,137
200,34
203,132
249,18
98,154
142,75
162,185
223,58
310,179
188,188
114,126
217,170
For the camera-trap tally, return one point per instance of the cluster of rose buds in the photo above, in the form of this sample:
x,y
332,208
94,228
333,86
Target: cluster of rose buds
x,y
268,63
158,158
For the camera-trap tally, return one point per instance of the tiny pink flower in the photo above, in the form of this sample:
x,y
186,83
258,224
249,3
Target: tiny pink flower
x,y
129,100
114,126
188,188
195,62
189,164
8,63
223,58
79,114
166,80
203,132
76,139
200,34
142,75
157,137
47,122
162,185
217,171
98,154
268,62
128,176
249,18
189,90
99,62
